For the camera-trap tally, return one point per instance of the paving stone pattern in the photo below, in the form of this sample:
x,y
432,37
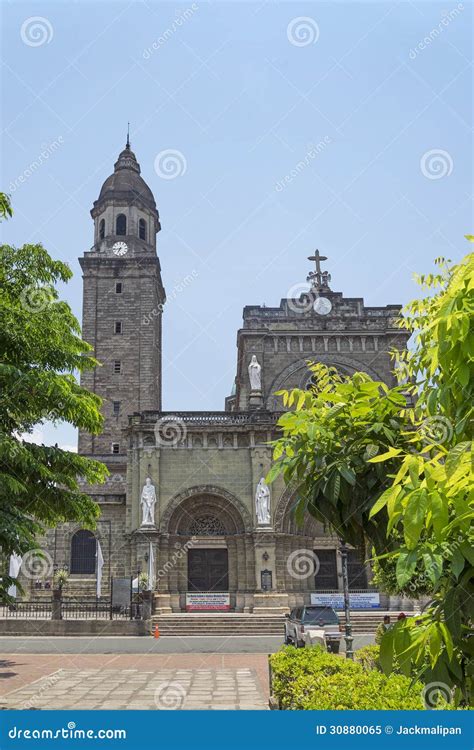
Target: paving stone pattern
x,y
162,689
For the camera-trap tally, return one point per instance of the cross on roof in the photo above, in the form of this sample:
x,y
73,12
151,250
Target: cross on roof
x,y
317,259
319,279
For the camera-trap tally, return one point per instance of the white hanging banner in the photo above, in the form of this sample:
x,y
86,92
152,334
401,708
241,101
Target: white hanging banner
x,y
13,571
100,565
151,569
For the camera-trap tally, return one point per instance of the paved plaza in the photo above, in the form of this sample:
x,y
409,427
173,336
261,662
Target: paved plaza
x,y
134,681
161,689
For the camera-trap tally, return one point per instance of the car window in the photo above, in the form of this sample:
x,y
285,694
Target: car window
x,y
320,615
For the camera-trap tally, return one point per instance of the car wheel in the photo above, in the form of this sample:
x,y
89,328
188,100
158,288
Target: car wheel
x,y
300,644
333,648
287,640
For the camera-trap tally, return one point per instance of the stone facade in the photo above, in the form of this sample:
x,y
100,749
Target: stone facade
x,y
205,466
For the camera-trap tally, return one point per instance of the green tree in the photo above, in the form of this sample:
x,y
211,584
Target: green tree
x,y
398,470
431,499
40,352
328,439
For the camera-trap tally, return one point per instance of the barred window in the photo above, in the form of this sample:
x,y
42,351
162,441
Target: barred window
x,y
83,550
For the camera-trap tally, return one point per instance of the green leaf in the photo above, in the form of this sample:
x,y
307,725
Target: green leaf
x,y
447,639
414,517
454,457
439,514
389,494
457,563
435,645
348,474
452,614
386,651
406,565
391,453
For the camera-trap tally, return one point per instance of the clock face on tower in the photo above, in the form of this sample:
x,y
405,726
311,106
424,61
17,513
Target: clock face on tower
x,y
322,306
120,248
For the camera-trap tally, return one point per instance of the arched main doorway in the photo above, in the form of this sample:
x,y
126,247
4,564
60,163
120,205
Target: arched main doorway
x,y
211,527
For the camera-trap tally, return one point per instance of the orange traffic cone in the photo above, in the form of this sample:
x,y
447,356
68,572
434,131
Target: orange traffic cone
x,y
157,631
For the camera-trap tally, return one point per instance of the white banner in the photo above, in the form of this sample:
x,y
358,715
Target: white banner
x,y
100,565
207,601
151,569
357,600
13,571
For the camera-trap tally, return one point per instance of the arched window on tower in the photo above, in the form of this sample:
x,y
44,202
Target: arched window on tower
x,y
102,229
121,224
83,550
142,229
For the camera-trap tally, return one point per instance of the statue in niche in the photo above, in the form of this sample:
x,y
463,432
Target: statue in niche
x,y
255,374
262,503
148,500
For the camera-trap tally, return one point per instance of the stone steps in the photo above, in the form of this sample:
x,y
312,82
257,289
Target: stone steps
x,y
204,624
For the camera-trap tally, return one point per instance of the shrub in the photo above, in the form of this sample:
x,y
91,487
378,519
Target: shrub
x,y
312,679
368,657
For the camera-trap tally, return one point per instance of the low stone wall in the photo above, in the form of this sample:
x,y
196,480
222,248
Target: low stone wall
x,y
17,627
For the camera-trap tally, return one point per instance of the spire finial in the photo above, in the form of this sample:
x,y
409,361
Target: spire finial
x,y
128,135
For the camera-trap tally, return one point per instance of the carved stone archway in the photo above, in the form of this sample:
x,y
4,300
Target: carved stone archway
x,y
229,506
298,372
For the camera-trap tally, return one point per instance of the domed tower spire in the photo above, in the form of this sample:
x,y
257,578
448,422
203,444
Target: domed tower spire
x,y
123,300
125,210
127,145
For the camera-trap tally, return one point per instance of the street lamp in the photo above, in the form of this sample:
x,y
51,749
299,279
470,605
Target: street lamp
x,y
347,607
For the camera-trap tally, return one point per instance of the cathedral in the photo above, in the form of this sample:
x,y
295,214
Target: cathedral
x,y
186,500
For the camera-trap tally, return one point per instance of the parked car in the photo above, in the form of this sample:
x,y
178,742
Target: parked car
x,y
301,620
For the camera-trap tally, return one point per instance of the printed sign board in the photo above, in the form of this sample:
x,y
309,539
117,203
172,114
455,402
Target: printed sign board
x,y
266,583
121,592
358,600
207,601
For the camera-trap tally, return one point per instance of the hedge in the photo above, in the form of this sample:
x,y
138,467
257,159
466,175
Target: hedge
x,y
310,678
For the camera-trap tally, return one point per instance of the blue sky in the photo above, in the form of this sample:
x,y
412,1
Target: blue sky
x,y
244,92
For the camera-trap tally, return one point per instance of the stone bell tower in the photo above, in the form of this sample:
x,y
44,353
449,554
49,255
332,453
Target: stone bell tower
x,y
123,299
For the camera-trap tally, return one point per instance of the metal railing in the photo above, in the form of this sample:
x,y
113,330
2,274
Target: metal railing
x,y
73,609
31,610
